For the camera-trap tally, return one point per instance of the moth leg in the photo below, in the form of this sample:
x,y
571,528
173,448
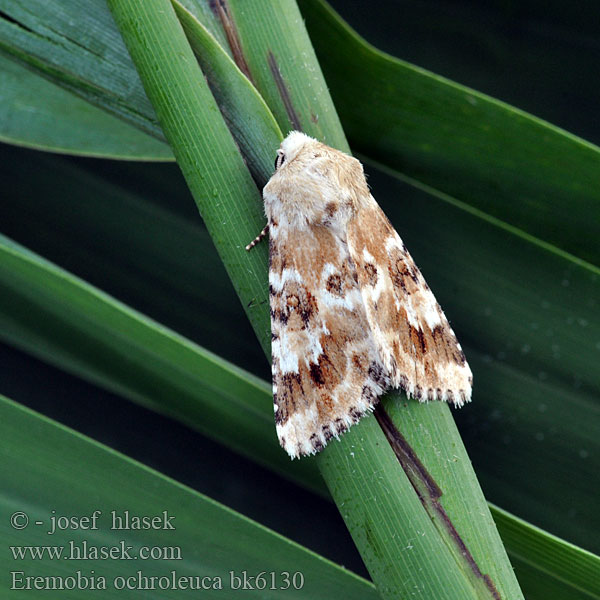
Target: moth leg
x,y
258,238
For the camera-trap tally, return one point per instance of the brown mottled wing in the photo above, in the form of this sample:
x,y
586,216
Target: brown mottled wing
x,y
411,333
326,371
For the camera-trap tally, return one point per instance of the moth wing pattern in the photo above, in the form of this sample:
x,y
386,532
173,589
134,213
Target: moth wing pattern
x,y
351,314
413,337
326,370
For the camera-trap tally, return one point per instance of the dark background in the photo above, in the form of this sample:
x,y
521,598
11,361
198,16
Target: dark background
x,y
542,57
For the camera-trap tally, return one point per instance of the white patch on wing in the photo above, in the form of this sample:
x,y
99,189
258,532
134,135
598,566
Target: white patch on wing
x,y
349,301
273,231
278,280
313,349
393,241
413,318
432,315
426,306
282,349
297,431
381,285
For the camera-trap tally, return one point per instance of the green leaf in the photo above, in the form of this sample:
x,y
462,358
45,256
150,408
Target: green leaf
x,y
32,113
284,68
488,154
207,540
547,566
246,113
78,47
51,314
132,231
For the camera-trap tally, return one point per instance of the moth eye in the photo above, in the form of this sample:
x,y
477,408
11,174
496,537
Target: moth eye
x,y
279,159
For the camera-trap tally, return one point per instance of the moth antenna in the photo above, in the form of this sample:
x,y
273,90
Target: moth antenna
x,y
258,238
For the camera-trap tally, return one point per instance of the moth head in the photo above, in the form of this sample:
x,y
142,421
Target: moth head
x,y
291,147
313,184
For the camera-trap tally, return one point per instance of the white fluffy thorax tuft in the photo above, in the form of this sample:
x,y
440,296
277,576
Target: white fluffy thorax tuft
x,y
294,142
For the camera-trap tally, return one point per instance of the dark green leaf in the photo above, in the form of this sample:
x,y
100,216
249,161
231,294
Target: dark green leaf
x,y
481,151
196,536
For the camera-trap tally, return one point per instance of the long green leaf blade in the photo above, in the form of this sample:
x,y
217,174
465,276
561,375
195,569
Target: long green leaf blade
x,y
547,566
31,115
47,38
248,117
197,538
52,314
132,231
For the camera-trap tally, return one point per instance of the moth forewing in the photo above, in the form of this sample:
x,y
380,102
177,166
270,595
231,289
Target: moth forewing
x,y
351,314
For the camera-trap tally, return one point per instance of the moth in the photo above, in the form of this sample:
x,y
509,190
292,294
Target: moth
x,y
351,314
